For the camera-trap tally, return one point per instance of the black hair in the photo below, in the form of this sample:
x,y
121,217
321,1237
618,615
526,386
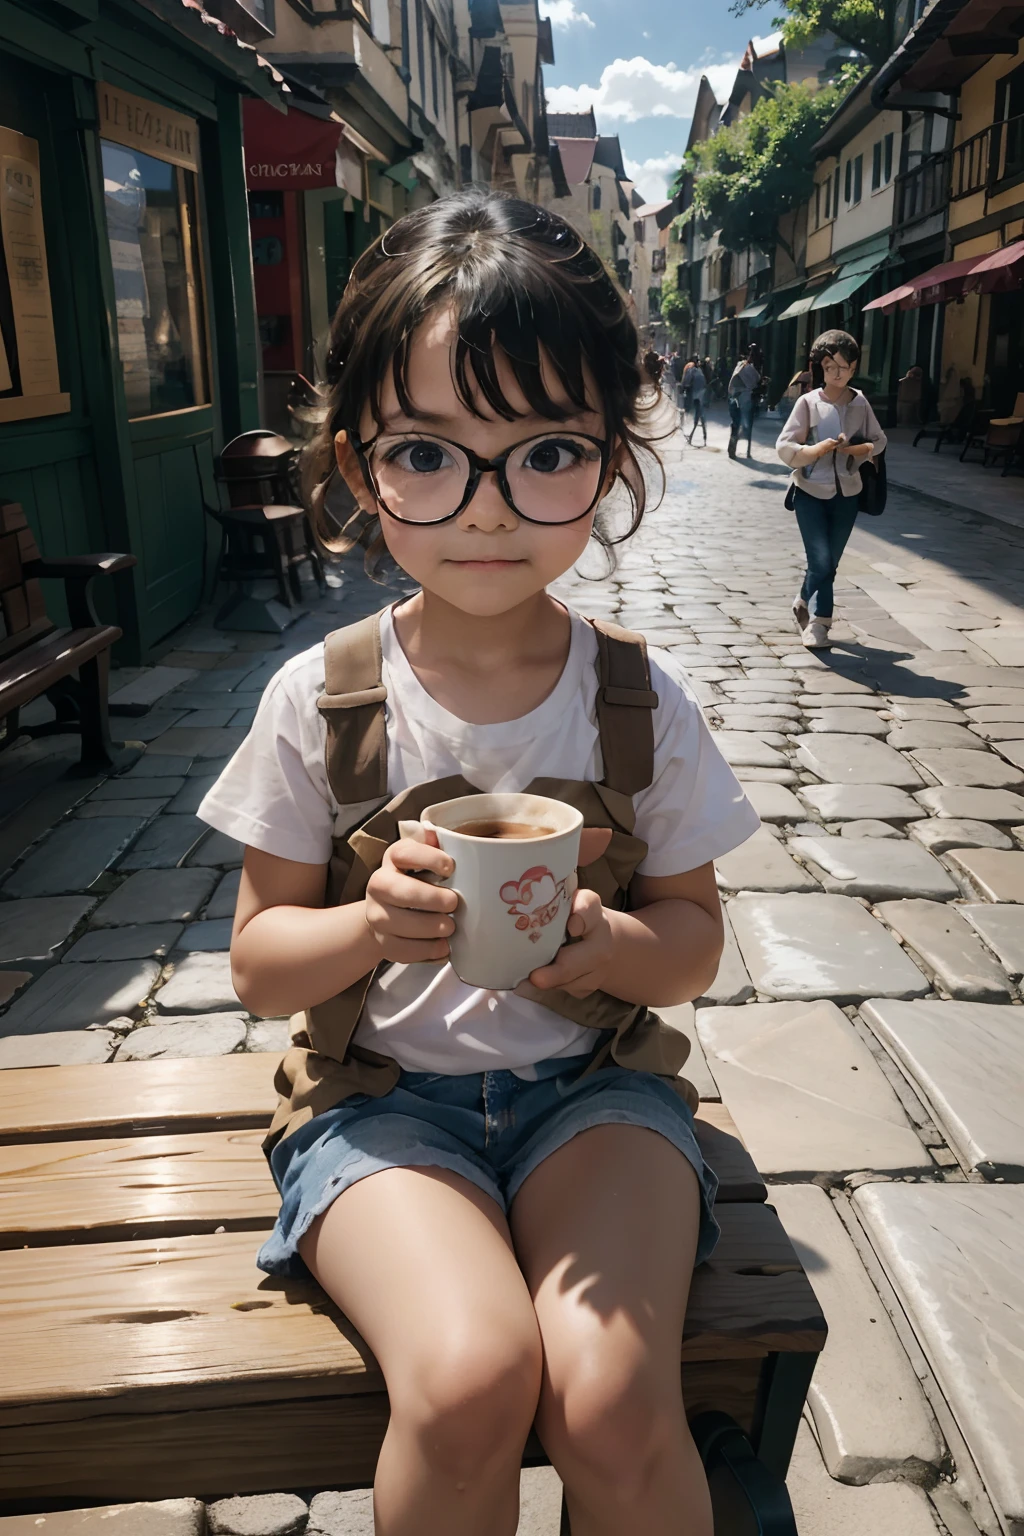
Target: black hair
x,y
829,344
519,280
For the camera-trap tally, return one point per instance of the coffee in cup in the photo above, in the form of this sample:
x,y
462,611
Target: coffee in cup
x,y
515,876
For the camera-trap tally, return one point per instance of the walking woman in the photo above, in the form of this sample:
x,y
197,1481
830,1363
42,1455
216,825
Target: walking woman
x,y
698,385
745,380
831,431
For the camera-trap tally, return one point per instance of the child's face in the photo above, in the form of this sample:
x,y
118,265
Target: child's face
x,y
837,371
486,561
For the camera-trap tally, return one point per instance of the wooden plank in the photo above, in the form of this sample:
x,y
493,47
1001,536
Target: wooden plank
x,y
189,1322
137,1098
723,1150
312,1442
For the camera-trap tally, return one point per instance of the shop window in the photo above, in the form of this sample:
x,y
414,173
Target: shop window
x,y
887,159
848,182
828,198
876,166
152,226
835,194
1008,132
858,178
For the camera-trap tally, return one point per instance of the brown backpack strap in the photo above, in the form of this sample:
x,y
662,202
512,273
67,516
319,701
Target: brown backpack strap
x,y
353,706
625,708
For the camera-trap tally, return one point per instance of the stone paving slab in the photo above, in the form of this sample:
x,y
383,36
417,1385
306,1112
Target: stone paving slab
x,y
857,802
997,714
760,724
954,1255
868,827
218,851
73,857
995,874
682,1016
939,836
966,1060
913,734
823,701
200,741
206,1035
1013,751
824,1507
848,759
106,808
743,748
61,1048
156,896
75,996
926,709
201,983
732,984
166,843
128,788
206,936
875,868
848,722
155,765
1001,805
275,1035
774,802
190,795
751,775
824,680
805,947
953,766
1002,928
35,928
997,731
168,1517
805,1092
140,941
153,684
225,898
863,1363
761,864
949,948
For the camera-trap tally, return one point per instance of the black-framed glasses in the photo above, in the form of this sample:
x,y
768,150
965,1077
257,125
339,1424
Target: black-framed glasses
x,y
553,477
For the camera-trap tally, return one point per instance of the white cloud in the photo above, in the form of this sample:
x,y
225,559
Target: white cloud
x,y
653,175
563,13
634,88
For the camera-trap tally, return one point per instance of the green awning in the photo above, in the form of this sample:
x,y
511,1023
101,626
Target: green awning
x,y
752,311
851,278
800,306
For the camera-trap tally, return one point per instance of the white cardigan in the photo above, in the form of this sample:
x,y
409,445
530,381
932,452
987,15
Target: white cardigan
x,y
813,419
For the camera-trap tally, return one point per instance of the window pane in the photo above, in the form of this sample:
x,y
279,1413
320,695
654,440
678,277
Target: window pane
x,y
888,158
858,178
876,167
848,183
152,228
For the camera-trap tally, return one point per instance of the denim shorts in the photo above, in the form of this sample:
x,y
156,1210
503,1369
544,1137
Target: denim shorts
x,y
493,1128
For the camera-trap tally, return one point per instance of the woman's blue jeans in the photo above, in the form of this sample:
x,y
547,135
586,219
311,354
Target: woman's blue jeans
x,y
741,417
825,527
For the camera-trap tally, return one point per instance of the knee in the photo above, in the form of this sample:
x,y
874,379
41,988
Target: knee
x,y
471,1406
612,1431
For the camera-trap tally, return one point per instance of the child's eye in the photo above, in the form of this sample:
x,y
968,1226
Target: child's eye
x,y
548,455
420,456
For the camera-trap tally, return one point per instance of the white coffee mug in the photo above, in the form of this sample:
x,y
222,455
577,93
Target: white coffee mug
x,y
515,892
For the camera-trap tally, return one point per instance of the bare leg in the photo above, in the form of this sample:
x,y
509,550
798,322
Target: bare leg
x,y
606,1232
421,1261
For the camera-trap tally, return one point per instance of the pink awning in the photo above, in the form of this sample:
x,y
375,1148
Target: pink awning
x,y
999,273
936,286
577,158
888,302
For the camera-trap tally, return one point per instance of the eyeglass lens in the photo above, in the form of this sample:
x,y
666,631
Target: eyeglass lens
x,y
551,479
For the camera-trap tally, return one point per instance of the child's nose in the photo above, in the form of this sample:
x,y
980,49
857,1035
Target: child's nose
x,y
487,510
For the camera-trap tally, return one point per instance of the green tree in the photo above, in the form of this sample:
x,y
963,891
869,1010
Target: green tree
x,y
749,173
675,302
865,25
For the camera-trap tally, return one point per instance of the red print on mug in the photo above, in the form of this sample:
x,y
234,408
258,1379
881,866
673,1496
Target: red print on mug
x,y
534,899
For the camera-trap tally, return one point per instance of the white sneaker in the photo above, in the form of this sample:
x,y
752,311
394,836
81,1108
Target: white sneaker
x,y
815,636
801,612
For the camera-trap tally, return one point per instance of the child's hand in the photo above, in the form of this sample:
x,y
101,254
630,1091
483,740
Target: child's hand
x,y
409,918
579,968
858,450
827,445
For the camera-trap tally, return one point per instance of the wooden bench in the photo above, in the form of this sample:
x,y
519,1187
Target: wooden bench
x,y
143,1355
37,656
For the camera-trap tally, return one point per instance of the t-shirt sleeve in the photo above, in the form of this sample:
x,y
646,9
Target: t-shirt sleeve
x,y
273,794
695,809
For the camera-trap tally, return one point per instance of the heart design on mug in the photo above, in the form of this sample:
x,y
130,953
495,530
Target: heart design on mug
x,y
534,899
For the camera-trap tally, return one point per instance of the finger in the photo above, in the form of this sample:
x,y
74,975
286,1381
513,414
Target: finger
x,y
401,923
405,854
413,952
397,890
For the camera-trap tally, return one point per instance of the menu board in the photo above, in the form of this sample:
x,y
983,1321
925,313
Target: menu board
x,y
29,377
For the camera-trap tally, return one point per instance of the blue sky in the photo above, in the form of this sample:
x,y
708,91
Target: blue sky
x,y
639,65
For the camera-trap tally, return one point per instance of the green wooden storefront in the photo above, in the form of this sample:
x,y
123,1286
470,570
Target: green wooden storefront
x,y
134,107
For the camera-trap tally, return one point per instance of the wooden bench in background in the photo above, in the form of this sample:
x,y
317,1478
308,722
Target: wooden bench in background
x,y
37,656
143,1355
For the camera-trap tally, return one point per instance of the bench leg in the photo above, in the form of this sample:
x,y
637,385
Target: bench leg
x,y
788,1380
748,1499
97,748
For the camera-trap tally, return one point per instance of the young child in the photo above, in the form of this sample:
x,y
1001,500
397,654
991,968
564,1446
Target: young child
x,y
502,1191
830,431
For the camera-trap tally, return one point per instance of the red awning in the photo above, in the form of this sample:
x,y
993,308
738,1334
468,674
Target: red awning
x,y
999,273
888,302
291,152
577,158
936,286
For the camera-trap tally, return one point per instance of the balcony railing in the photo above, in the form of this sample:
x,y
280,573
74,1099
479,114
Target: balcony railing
x,y
983,163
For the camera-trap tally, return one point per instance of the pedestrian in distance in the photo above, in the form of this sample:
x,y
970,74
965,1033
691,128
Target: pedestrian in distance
x,y
831,431
698,396
743,383
508,1213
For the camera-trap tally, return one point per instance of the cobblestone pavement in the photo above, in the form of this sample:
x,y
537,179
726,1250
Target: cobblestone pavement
x,y
864,1030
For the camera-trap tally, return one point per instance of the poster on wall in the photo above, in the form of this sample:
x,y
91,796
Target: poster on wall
x,y
29,377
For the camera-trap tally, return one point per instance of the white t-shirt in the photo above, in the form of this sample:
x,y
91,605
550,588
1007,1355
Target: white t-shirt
x,y
274,795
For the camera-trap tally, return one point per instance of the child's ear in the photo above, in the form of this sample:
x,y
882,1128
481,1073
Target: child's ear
x,y
350,471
